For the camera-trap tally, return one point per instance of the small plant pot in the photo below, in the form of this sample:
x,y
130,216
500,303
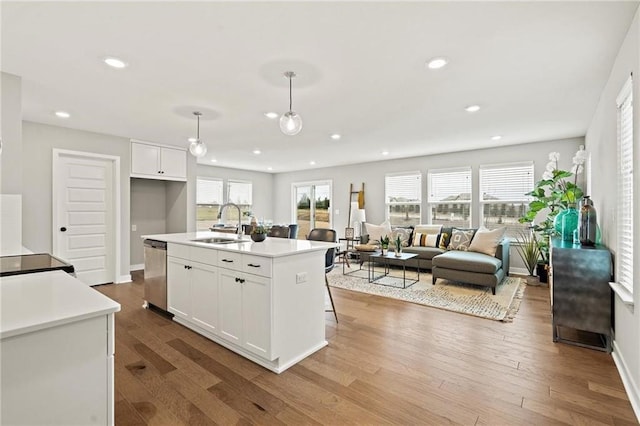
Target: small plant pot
x,y
533,280
258,237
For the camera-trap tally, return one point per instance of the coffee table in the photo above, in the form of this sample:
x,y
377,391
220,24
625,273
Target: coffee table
x,y
384,259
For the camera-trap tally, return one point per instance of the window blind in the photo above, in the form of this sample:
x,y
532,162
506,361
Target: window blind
x,y
508,182
240,192
624,255
208,191
450,185
405,188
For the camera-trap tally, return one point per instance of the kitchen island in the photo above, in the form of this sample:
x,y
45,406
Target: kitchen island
x,y
262,300
57,338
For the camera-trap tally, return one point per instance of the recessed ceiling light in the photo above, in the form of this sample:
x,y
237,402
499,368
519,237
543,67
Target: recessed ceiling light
x,y
472,108
191,139
385,153
312,163
269,168
271,115
336,136
115,63
213,160
496,138
437,63
256,151
63,114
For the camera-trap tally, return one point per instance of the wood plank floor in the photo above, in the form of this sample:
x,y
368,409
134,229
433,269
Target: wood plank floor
x,y
388,362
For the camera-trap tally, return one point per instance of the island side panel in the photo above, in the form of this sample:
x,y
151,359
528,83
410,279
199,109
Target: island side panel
x,y
298,307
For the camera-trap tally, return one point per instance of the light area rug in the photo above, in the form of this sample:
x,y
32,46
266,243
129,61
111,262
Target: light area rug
x,y
451,296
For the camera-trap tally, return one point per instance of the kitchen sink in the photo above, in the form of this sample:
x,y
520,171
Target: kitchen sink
x,y
218,240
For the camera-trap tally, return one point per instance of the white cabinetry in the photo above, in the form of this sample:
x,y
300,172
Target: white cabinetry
x,y
158,162
192,287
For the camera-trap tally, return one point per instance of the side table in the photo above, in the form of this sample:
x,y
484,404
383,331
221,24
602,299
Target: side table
x,y
384,259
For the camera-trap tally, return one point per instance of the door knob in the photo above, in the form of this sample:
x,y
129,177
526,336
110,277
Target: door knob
x,y
63,229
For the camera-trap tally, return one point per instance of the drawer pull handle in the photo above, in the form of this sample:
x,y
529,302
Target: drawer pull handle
x,y
253,265
227,260
239,280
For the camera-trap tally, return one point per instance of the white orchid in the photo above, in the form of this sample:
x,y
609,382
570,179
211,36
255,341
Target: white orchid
x,y
576,169
547,175
581,156
554,156
551,166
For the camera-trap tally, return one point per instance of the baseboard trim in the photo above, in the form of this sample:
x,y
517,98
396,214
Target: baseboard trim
x,y
627,380
518,271
136,267
124,279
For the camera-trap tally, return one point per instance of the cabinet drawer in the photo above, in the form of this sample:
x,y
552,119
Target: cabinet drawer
x,y
178,250
256,265
230,260
203,255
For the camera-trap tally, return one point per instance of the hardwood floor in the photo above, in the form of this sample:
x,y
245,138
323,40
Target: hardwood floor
x,y
388,362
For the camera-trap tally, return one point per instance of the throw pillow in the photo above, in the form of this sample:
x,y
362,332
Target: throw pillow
x,y
445,237
433,240
403,233
365,247
426,240
378,231
460,239
486,241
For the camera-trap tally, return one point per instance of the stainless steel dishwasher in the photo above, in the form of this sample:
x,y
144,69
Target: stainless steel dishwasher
x,y
155,274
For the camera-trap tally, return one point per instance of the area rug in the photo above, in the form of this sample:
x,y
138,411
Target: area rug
x,y
447,295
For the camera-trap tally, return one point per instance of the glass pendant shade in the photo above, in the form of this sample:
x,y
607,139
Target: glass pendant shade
x,y
197,148
290,123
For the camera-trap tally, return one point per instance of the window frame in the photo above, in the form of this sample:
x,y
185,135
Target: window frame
x,y
624,274
210,205
431,203
523,199
388,204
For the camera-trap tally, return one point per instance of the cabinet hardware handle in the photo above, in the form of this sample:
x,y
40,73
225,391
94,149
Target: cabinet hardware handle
x,y
253,265
227,260
63,229
241,280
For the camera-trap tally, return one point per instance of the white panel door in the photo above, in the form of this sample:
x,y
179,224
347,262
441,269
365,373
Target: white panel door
x,y
230,305
204,296
178,287
84,226
256,314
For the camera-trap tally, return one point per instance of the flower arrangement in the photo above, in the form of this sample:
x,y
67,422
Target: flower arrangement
x,y
556,191
259,229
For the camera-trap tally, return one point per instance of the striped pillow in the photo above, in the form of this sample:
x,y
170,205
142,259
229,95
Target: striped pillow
x,y
426,240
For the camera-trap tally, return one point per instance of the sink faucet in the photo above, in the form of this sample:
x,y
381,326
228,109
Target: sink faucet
x,y
239,231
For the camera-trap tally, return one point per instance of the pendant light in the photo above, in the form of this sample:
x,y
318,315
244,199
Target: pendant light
x,y
290,122
197,147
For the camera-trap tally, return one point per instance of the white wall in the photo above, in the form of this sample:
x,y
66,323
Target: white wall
x,y
601,141
262,186
11,126
38,141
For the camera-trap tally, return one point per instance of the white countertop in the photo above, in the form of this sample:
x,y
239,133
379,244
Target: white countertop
x,y
32,302
270,247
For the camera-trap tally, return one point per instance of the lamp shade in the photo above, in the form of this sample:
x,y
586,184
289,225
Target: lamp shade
x,y
359,216
290,123
197,148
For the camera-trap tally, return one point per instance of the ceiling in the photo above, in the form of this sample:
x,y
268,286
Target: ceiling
x,y
536,69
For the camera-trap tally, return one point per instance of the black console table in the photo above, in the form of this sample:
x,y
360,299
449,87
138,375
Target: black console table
x,y
581,298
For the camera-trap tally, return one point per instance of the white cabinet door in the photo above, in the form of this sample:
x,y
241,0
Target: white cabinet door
x,y
256,314
178,288
230,305
173,163
204,296
145,159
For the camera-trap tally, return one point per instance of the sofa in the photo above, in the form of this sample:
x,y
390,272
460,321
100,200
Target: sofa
x,y
470,255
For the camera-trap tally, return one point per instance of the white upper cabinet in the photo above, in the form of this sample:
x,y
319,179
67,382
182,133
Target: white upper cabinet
x,y
158,162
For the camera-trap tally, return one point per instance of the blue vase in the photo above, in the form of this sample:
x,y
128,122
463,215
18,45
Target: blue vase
x,y
569,224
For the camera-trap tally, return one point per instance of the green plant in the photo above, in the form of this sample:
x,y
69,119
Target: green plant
x,y
260,229
398,243
384,242
528,249
552,194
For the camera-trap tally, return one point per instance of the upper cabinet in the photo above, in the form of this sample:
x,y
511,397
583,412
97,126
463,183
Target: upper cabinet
x,y
158,162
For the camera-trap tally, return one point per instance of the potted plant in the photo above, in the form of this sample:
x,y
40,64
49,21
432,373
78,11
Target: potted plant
x,y
384,243
259,233
398,245
529,251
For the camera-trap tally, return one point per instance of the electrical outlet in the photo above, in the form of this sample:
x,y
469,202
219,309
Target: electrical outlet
x,y
301,277
134,228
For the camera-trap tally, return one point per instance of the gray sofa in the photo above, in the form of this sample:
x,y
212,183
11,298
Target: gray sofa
x,y
462,266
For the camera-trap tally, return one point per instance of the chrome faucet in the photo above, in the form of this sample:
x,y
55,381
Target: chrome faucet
x,y
239,231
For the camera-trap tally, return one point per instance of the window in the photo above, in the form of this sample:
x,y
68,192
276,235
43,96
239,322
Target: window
x,y
502,195
450,197
403,196
208,202
240,193
624,255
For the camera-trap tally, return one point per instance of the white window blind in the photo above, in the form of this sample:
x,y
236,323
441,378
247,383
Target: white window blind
x,y
450,185
208,191
240,192
403,198
624,255
449,197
